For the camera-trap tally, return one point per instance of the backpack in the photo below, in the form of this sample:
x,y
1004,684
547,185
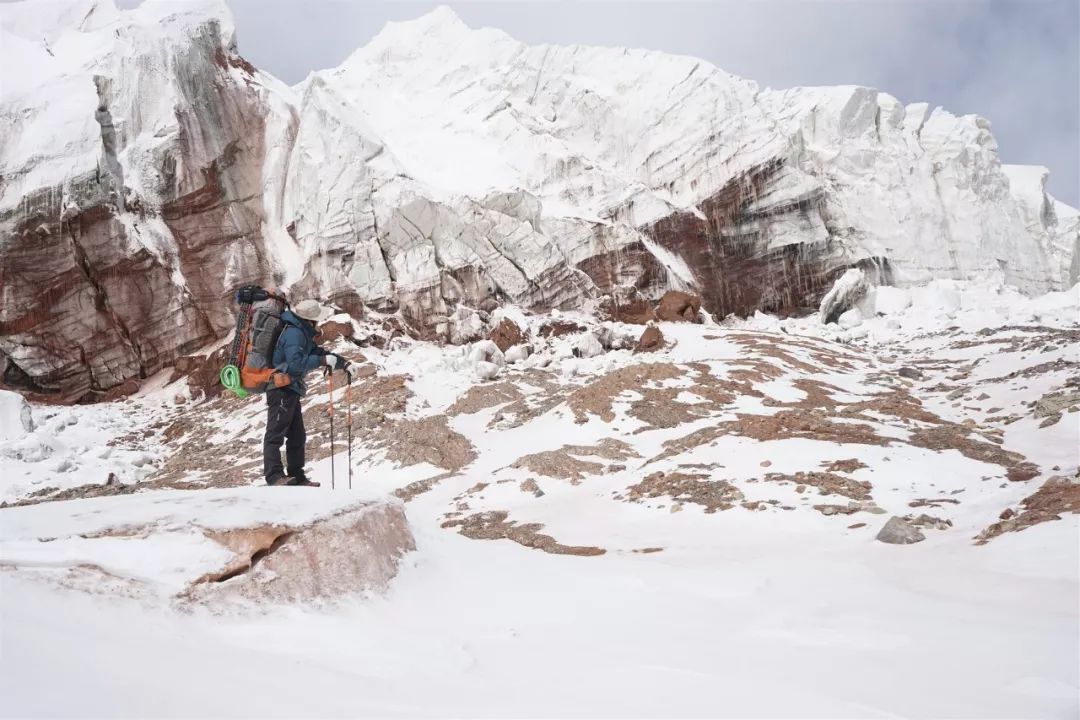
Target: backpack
x,y
258,326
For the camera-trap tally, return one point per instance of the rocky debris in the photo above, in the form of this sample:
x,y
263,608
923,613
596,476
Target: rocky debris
x,y
425,440
684,488
849,509
463,325
676,306
1057,496
481,397
564,464
530,486
353,551
958,437
419,487
928,521
848,466
506,335
827,483
898,531
627,305
932,502
1054,403
494,525
598,396
812,424
1022,473
110,487
332,330
559,328
651,340
911,373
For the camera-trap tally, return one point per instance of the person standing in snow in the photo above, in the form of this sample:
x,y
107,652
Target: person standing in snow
x,y
296,354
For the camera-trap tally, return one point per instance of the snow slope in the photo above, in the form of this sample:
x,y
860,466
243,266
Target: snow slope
x,y
558,571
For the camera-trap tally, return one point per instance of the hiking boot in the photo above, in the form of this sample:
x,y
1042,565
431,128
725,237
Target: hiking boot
x,y
280,480
303,482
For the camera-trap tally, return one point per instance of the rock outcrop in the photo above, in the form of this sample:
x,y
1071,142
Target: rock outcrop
x,y
172,171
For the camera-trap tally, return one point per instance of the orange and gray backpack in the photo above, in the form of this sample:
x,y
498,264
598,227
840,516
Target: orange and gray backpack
x,y
258,326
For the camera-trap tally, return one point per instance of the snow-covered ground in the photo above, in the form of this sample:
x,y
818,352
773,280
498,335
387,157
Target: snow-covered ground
x,y
689,532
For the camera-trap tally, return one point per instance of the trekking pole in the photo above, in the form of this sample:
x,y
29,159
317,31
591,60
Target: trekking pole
x,y
348,412
331,374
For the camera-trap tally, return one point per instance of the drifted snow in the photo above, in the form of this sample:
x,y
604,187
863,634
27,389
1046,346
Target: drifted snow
x,y
473,627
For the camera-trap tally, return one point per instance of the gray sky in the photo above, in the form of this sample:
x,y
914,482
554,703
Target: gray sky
x,y
1015,62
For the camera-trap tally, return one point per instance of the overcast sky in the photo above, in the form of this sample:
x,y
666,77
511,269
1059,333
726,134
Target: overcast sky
x,y
1015,62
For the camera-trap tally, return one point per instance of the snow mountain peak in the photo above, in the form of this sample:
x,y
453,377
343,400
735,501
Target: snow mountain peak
x,y
442,169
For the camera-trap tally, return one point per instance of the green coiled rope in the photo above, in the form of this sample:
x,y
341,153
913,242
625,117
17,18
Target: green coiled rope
x,y
230,378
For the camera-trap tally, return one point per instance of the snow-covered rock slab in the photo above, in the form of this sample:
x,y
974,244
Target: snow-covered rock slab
x,y
267,544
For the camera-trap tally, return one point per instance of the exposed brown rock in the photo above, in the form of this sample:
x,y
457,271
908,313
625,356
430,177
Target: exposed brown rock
x,y
849,465
1057,496
481,397
676,306
493,525
651,340
597,397
827,483
355,550
559,328
956,437
506,335
330,331
683,487
563,464
628,307
202,372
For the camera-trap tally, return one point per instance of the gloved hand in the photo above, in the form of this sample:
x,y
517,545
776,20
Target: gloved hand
x,y
336,362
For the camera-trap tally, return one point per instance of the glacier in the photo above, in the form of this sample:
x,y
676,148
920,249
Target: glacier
x,y
148,169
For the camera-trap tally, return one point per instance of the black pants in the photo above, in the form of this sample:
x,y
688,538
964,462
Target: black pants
x,y
284,422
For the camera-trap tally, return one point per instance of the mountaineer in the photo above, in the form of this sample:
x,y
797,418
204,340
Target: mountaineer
x,y
295,354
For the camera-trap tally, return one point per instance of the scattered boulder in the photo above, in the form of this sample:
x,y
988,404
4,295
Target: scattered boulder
x,y
677,306
650,341
487,351
355,550
588,345
516,354
487,370
899,531
506,335
16,418
910,373
846,292
464,325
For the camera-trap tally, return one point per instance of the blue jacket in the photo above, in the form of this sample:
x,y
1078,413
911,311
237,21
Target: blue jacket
x,y
296,352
